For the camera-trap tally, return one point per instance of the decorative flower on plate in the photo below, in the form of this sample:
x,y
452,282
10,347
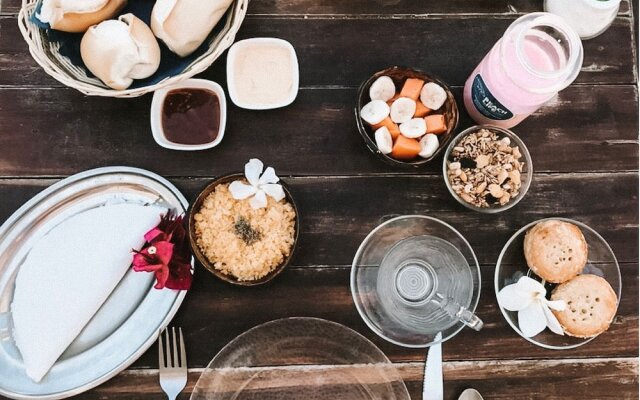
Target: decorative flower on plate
x,y
260,185
528,298
166,254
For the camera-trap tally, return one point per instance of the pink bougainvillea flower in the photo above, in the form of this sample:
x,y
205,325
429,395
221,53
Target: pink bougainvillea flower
x,y
180,276
168,226
166,254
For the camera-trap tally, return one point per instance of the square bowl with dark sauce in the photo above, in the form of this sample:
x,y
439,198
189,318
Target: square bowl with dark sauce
x,y
190,115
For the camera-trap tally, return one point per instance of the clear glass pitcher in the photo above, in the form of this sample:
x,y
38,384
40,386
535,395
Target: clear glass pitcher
x,y
413,277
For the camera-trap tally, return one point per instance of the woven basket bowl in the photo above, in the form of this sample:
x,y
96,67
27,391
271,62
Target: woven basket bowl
x,y
47,54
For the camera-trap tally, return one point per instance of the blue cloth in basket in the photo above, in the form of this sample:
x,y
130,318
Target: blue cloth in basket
x,y
170,63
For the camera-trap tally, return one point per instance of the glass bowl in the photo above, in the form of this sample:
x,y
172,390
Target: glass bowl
x,y
202,259
399,75
300,358
396,302
526,175
512,266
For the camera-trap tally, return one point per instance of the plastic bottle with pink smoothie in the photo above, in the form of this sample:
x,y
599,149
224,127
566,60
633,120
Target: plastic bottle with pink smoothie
x,y
539,55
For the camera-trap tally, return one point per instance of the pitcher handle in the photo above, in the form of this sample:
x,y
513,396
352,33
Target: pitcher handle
x,y
458,312
469,319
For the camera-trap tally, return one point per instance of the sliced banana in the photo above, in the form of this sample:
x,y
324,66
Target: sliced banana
x,y
374,112
384,140
382,89
402,110
414,128
433,95
428,145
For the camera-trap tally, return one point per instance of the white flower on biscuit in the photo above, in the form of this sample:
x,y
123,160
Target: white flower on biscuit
x,y
260,184
528,298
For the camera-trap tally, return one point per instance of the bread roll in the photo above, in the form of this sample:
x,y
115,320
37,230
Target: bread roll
x,y
184,24
78,15
119,51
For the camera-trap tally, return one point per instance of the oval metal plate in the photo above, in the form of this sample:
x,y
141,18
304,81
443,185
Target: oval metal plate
x,y
129,321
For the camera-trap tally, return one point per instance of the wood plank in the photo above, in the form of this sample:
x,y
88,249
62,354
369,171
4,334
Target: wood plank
x,y
338,212
215,312
333,41
57,132
548,379
385,7
401,7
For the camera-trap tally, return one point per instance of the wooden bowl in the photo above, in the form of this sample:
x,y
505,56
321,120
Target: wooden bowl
x,y
195,207
399,75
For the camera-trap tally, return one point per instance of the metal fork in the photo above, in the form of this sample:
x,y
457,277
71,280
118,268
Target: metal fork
x,y
173,368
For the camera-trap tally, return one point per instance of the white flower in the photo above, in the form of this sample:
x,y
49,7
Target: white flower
x,y
259,185
528,298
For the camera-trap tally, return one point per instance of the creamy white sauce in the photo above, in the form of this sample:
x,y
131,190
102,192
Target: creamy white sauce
x,y
263,74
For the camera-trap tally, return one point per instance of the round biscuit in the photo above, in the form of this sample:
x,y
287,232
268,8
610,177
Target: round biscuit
x,y
555,250
591,305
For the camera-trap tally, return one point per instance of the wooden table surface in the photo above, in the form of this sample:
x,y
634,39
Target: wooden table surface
x,y
584,146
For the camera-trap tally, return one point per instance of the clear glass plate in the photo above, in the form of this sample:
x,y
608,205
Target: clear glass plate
x,y
300,358
512,266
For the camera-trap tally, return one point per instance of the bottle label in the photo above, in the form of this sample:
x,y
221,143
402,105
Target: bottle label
x,y
485,103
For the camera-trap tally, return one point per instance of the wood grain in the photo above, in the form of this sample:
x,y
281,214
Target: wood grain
x,y
596,379
340,42
377,7
338,212
584,146
57,132
214,313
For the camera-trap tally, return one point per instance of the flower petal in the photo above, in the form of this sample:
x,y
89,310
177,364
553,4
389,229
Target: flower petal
x,y
154,234
274,190
269,176
259,200
161,277
146,267
164,251
558,305
531,286
532,320
252,171
180,276
241,191
552,321
512,299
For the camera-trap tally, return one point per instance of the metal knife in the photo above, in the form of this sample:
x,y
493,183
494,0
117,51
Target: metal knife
x,y
432,388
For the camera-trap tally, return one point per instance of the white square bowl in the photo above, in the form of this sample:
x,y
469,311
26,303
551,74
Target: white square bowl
x,y
156,114
231,78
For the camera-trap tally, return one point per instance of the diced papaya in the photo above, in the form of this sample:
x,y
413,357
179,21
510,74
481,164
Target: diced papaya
x,y
412,88
436,123
394,129
421,110
405,148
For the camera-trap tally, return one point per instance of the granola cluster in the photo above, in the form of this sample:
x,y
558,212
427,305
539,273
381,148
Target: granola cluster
x,y
485,170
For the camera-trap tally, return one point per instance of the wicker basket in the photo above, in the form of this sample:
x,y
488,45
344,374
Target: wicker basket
x,y
47,54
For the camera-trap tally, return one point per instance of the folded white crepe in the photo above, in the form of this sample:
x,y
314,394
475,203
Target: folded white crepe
x,y
184,24
67,276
